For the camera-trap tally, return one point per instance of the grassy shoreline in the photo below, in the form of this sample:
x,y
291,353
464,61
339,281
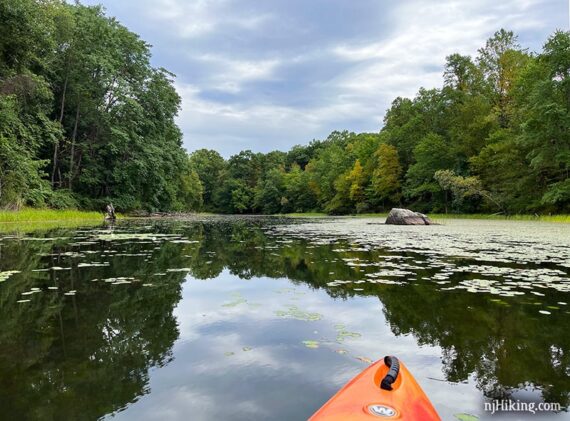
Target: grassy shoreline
x,y
47,215
39,216
30,220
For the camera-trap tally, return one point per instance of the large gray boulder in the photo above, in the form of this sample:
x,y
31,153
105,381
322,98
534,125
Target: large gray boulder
x,y
399,216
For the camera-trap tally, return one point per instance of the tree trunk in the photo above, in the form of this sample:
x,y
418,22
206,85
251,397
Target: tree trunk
x,y
56,147
63,99
73,137
55,152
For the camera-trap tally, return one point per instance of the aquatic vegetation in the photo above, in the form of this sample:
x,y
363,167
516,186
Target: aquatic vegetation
x,y
4,276
32,291
458,288
295,313
466,417
343,334
123,236
93,264
544,312
237,300
311,344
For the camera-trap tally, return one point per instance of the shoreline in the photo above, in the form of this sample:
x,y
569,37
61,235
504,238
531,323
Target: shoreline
x,y
442,216
54,216
47,215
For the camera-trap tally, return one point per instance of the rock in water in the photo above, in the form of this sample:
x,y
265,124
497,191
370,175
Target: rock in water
x,y
399,216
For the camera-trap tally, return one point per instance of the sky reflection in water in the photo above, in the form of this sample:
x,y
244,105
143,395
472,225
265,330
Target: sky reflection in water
x,y
254,318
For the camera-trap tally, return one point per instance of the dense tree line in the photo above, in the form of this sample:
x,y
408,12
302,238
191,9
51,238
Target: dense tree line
x,y
494,138
84,118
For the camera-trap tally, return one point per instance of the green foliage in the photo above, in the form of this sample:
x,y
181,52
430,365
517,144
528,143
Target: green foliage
x,y
85,120
270,193
432,153
82,110
463,188
385,183
20,170
208,165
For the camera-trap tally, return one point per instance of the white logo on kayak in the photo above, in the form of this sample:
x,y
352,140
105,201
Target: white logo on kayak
x,y
381,410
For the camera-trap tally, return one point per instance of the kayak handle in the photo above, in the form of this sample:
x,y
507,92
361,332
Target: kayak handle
x,y
394,365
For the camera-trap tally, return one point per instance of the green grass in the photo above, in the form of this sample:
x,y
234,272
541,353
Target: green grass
x,y
39,226
28,219
47,215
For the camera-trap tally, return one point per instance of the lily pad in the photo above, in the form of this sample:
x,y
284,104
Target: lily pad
x,y
295,313
466,417
5,275
236,302
343,334
544,312
311,344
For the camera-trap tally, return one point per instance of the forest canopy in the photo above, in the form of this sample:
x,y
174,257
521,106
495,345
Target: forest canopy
x,y
85,120
494,138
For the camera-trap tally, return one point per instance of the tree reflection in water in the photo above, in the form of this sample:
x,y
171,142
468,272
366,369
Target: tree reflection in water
x,y
86,355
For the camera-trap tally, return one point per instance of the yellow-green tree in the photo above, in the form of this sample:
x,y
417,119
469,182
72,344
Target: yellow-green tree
x,y
385,181
357,180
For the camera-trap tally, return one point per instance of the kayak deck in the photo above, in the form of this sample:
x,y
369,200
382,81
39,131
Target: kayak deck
x,y
363,398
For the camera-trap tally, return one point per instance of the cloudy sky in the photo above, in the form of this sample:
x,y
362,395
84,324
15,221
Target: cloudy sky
x,y
269,74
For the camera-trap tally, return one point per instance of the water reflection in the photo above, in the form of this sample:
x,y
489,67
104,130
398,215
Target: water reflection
x,y
92,312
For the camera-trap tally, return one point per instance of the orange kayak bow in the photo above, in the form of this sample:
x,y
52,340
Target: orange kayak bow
x,y
384,391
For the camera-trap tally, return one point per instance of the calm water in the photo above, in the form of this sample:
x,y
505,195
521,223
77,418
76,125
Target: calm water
x,y
265,319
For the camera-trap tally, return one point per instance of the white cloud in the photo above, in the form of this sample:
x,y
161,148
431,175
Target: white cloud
x,y
425,33
230,128
200,17
231,73
267,75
